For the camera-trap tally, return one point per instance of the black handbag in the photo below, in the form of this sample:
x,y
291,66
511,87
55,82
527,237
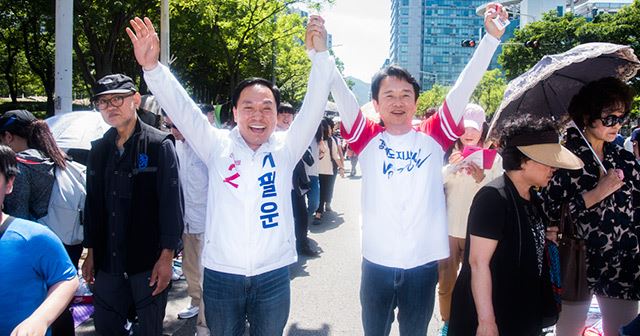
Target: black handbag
x,y
573,260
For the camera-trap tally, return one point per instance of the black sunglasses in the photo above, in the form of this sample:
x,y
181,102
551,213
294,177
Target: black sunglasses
x,y
611,120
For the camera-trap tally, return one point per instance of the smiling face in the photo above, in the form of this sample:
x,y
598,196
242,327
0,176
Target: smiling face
x,y
396,104
256,115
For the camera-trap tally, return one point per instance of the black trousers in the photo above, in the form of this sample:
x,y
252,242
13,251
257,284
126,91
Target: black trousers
x,y
300,218
114,294
327,182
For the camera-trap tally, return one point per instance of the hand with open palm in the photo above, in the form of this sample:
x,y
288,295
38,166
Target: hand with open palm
x,y
146,44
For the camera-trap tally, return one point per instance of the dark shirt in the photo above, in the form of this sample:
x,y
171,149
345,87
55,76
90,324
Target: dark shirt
x,y
118,200
118,204
516,264
610,227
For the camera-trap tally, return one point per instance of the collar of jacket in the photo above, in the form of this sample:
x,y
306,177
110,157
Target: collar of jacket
x,y
266,147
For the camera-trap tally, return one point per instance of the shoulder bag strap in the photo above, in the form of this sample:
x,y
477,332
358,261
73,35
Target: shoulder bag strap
x,y
5,225
565,224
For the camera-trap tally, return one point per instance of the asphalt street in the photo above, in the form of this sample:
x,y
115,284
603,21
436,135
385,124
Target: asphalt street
x,y
325,290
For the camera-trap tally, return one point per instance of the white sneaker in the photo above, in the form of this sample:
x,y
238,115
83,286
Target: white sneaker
x,y
188,312
177,273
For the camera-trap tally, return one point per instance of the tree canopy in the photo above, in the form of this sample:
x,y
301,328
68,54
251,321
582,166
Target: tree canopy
x,y
558,34
214,44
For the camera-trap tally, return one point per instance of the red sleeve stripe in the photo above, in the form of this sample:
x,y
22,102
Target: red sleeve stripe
x,y
446,122
356,129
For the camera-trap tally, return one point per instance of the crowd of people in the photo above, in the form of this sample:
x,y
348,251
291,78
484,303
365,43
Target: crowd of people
x,y
238,203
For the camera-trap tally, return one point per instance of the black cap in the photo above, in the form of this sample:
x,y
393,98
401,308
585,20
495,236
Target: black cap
x,y
116,83
635,134
15,119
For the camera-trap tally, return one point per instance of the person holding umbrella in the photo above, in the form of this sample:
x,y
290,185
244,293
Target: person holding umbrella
x,y
504,283
602,204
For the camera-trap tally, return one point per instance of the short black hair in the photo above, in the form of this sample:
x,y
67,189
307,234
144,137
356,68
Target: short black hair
x,y
286,108
206,108
251,82
512,157
8,162
598,95
393,71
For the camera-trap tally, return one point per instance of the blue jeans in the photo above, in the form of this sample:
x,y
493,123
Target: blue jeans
x,y
313,196
230,300
412,291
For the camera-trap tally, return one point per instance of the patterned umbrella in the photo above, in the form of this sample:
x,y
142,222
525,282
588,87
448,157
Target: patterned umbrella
x,y
547,88
545,91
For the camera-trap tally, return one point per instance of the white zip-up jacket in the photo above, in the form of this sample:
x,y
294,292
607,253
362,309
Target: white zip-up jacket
x,y
249,226
194,178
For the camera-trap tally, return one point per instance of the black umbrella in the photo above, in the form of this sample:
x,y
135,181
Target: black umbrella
x,y
545,91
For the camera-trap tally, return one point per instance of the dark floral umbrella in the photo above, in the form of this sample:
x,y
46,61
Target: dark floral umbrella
x,y
545,91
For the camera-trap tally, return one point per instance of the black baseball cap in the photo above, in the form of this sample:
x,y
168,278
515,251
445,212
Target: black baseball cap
x,y
635,134
116,83
15,119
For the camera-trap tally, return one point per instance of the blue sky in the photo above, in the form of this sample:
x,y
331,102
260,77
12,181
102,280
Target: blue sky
x,y
360,30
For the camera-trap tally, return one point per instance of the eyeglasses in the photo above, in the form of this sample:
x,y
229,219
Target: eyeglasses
x,y
115,101
611,120
169,126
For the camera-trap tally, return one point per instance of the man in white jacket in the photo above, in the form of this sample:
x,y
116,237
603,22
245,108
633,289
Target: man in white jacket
x,y
249,236
404,227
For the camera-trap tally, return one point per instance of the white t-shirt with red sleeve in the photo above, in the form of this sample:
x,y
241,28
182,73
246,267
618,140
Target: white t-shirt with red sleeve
x,y
404,216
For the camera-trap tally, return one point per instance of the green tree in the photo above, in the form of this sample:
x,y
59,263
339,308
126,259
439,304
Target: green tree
x,y
490,91
431,98
555,35
35,22
100,43
9,50
237,39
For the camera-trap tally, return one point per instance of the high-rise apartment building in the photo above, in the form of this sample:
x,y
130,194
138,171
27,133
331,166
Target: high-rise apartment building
x,y
591,8
426,37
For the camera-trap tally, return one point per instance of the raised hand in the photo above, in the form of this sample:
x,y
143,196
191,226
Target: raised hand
x,y
493,11
610,182
316,35
146,44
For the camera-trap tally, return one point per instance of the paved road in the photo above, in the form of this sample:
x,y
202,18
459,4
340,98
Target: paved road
x,y
324,290
325,293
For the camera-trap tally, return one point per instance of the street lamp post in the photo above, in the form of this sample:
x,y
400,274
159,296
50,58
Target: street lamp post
x,y
164,33
63,57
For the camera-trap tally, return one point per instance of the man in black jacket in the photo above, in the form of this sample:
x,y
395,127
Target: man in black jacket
x,y
133,213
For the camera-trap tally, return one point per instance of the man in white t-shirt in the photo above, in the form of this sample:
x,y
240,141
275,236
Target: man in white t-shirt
x,y
404,227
